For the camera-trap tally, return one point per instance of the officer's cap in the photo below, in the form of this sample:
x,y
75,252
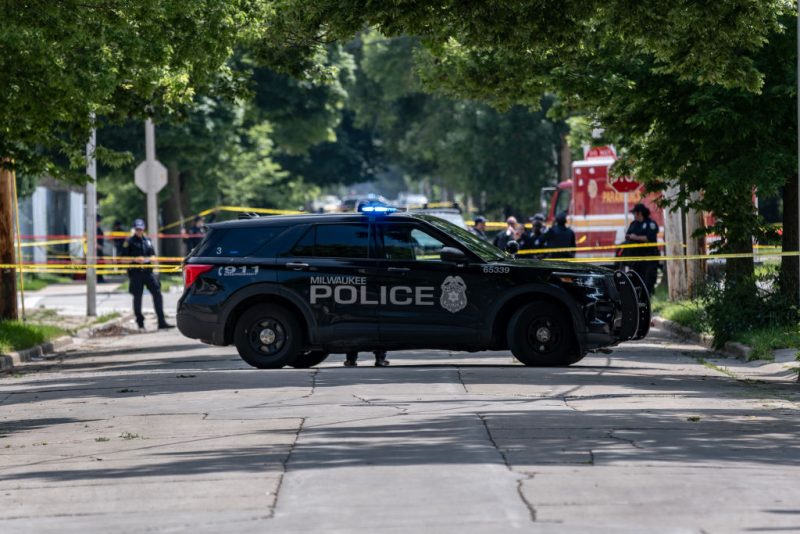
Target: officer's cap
x,y
479,219
537,217
138,224
641,208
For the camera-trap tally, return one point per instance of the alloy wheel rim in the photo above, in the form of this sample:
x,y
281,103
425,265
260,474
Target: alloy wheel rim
x,y
544,335
267,336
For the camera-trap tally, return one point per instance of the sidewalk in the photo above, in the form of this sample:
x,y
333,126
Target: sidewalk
x,y
70,299
732,361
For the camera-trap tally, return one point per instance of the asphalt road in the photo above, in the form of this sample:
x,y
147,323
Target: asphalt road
x,y
154,432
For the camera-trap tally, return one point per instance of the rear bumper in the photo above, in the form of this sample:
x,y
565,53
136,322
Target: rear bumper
x,y
207,332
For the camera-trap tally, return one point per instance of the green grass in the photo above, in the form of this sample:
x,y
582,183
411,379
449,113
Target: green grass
x,y
36,281
688,313
763,341
16,335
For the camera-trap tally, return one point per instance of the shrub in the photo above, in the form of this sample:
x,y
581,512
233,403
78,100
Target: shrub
x,y
757,303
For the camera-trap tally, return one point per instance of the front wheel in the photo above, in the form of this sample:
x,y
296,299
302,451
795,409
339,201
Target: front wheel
x,y
268,336
309,359
541,335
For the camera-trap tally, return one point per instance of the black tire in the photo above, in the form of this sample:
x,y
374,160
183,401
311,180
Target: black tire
x,y
540,334
262,323
310,359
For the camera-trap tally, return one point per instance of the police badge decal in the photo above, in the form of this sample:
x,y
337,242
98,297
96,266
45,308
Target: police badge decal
x,y
454,294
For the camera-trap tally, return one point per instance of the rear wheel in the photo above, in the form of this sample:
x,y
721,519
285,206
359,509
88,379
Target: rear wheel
x,y
540,334
268,336
309,359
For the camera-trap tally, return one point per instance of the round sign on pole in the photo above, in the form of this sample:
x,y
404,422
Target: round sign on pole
x,y
623,184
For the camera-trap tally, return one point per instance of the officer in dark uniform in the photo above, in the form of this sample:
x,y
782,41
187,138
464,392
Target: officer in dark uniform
x,y
195,233
537,235
479,228
643,229
559,236
140,249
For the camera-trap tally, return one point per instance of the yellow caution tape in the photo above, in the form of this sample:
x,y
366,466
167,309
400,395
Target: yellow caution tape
x,y
52,242
615,259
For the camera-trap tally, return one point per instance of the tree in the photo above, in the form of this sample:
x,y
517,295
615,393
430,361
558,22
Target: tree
x,y
463,145
65,62
666,80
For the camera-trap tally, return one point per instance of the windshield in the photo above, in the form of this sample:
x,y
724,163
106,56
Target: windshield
x,y
479,247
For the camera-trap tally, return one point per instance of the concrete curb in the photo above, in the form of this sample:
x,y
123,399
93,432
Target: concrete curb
x,y
16,358
731,349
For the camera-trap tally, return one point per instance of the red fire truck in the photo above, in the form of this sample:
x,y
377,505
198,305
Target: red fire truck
x,y
597,212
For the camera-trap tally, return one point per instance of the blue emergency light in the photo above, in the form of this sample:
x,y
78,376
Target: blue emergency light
x,y
376,208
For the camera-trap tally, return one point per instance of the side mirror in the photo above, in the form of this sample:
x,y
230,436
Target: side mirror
x,y
452,255
512,247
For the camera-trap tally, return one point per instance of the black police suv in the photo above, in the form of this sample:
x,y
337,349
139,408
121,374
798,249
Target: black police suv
x,y
289,290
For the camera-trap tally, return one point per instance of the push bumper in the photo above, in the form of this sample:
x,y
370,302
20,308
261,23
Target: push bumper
x,y
635,306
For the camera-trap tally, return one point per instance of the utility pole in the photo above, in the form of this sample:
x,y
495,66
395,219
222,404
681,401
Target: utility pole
x,y
797,189
151,177
8,281
152,192
91,225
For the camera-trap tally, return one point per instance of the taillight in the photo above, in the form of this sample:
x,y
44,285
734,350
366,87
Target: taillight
x,y
191,271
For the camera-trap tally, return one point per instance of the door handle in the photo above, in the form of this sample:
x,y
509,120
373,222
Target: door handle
x,y
398,269
297,266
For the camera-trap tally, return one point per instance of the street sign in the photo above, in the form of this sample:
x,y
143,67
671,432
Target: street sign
x,y
159,176
623,184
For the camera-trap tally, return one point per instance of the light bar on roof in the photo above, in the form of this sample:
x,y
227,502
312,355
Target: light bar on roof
x,y
376,208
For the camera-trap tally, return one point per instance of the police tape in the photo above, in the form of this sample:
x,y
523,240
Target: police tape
x,y
84,267
688,257
598,247
80,269
234,209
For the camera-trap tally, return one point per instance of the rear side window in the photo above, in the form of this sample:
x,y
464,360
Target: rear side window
x,y
334,241
238,242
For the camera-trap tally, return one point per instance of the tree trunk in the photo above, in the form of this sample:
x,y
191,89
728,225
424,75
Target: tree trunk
x,y
695,269
673,236
173,246
564,159
790,265
8,279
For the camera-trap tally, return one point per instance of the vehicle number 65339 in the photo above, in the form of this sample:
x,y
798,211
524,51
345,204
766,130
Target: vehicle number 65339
x,y
495,269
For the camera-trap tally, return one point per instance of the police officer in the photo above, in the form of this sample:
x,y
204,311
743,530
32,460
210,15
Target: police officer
x,y
643,230
479,228
140,249
559,236
504,236
351,359
195,233
537,236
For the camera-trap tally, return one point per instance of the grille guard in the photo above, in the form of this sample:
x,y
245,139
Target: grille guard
x,y
643,297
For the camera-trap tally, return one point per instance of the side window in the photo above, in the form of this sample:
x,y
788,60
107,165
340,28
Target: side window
x,y
334,241
562,204
238,242
406,242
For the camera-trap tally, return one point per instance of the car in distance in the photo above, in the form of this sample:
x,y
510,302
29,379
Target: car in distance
x,y
451,215
289,290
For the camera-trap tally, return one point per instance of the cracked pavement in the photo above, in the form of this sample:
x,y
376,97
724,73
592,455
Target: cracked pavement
x,y
154,432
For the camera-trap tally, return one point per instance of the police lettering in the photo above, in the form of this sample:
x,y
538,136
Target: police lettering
x,y
352,294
